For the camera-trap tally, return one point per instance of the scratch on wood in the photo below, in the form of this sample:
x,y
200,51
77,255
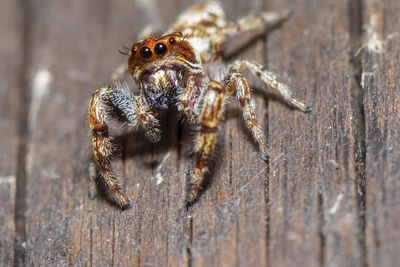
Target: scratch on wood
x,y
375,42
160,169
40,88
8,179
336,204
366,78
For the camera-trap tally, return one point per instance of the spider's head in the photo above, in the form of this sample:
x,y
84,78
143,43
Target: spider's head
x,y
159,65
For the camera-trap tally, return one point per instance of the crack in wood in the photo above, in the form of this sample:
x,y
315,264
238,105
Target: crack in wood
x,y
267,172
189,221
355,15
23,134
321,225
267,215
91,242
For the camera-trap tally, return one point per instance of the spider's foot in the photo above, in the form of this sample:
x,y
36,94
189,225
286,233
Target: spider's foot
x,y
127,205
188,204
92,194
190,154
308,109
265,157
190,199
92,191
122,201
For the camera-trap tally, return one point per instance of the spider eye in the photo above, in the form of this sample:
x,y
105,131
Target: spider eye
x,y
171,41
145,52
134,51
160,49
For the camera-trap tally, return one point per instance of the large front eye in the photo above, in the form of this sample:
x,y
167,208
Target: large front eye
x,y
160,49
145,52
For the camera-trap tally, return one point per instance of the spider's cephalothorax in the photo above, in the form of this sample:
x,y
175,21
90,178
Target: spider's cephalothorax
x,y
161,66
170,70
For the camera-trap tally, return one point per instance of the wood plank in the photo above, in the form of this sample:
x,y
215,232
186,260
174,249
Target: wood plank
x,y
312,202
11,73
319,201
380,82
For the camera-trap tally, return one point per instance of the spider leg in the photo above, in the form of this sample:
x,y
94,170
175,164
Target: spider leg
x,y
267,20
105,105
247,29
236,81
270,79
213,107
188,100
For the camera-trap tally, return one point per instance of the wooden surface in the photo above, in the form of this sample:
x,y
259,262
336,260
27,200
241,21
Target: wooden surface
x,y
329,195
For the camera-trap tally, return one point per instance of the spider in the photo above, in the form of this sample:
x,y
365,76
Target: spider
x,y
172,70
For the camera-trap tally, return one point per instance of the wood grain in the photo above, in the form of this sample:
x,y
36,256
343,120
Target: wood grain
x,y
327,197
312,177
11,139
380,82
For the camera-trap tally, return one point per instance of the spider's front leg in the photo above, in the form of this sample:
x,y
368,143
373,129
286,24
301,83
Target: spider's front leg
x,y
109,104
188,100
213,108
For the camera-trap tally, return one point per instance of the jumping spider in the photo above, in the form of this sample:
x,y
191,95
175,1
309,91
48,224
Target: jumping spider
x,y
172,69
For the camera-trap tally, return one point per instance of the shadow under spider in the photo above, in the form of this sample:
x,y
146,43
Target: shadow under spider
x,y
176,135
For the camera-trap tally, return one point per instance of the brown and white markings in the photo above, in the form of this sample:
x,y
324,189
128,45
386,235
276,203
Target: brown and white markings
x,y
172,70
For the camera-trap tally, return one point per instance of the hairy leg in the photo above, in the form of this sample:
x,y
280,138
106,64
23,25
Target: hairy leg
x,y
103,104
270,79
236,82
247,29
188,100
213,107
109,104
267,20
